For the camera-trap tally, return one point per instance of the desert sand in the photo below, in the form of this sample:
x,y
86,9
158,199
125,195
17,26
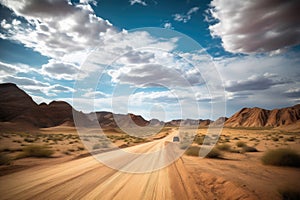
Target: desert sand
x,y
234,176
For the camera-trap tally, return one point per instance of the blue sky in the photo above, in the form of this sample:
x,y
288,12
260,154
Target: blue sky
x,y
200,59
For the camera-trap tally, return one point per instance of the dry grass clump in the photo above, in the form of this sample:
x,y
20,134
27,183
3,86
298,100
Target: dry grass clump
x,y
194,151
240,144
199,139
38,151
224,147
249,149
97,146
4,159
281,157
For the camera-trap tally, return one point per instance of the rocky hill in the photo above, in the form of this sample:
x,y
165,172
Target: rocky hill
x,y
18,107
258,117
110,120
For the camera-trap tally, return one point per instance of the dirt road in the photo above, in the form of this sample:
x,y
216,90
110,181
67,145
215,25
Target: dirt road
x,y
86,178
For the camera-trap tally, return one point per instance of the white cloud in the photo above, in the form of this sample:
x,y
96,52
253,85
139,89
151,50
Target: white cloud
x,y
143,69
255,26
57,28
5,25
254,82
132,2
60,70
67,33
90,93
7,69
260,80
168,25
93,2
36,87
185,17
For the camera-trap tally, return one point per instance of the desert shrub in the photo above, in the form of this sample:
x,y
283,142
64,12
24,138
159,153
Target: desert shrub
x,y
224,147
214,153
80,148
192,151
29,140
289,194
4,159
235,151
199,139
290,139
281,157
240,144
97,146
67,152
249,149
38,151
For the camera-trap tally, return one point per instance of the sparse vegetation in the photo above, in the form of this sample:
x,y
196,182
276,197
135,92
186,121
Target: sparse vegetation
x,y
224,147
214,153
38,151
96,146
281,157
249,149
4,159
199,139
240,144
194,151
290,139
29,140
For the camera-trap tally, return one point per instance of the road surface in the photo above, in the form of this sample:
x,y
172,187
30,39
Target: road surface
x,y
87,178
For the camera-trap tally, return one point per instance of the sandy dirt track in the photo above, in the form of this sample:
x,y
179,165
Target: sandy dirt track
x,y
86,178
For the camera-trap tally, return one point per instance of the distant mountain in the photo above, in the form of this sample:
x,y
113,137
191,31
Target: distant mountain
x,y
17,106
108,119
189,122
258,117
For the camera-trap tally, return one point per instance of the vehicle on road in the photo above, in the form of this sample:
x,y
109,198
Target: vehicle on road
x,y
176,139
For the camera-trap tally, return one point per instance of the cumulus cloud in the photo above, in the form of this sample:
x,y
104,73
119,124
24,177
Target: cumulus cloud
x,y
185,17
255,26
36,87
143,69
293,93
254,82
132,2
59,70
168,25
55,28
66,32
6,69
23,81
89,93
277,75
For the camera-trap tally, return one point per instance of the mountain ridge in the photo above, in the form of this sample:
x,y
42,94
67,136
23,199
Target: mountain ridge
x,y
19,107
